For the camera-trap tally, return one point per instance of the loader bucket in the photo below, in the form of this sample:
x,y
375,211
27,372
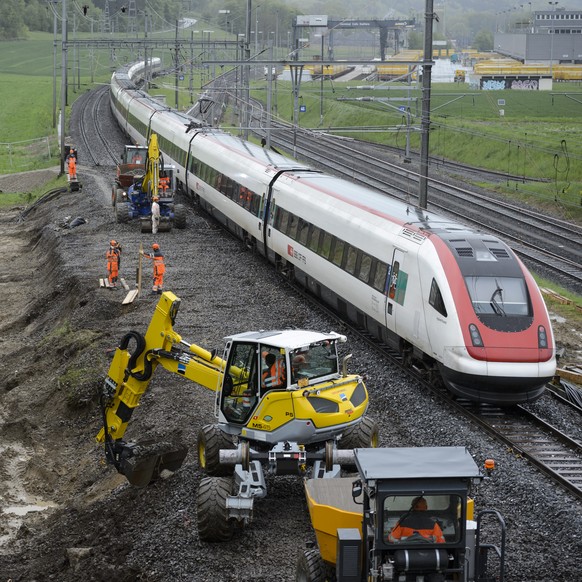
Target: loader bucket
x,y
144,462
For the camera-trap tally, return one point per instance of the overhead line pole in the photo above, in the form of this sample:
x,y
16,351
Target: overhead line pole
x,y
63,85
425,111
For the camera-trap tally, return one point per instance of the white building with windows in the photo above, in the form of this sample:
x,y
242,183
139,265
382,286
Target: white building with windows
x,y
551,37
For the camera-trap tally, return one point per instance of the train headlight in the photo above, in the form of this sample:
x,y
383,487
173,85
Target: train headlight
x,y
475,336
542,337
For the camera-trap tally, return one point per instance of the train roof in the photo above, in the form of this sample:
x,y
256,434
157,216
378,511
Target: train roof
x,y
262,155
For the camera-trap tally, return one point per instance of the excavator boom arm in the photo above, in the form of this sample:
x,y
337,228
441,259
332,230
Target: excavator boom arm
x,y
130,372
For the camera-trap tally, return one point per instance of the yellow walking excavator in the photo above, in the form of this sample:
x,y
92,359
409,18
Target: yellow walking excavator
x,y
138,183
284,405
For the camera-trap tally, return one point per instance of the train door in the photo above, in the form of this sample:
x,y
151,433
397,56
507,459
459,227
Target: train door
x,y
396,292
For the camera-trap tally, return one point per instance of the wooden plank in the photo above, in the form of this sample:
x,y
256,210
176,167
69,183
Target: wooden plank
x,y
125,285
130,297
572,375
555,296
104,283
139,267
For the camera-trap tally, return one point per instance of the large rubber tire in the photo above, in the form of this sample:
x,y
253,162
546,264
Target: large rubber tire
x,y
180,216
122,212
363,435
310,567
113,195
119,197
210,440
213,522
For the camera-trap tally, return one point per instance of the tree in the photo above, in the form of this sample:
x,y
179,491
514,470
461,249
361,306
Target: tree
x,y
12,22
483,41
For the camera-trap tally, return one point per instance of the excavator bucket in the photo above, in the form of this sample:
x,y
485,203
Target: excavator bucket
x,y
142,463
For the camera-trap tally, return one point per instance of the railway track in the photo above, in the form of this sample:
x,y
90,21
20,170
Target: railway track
x,y
544,446
91,111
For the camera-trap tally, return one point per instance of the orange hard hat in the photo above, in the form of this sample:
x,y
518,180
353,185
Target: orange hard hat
x,y
112,242
155,246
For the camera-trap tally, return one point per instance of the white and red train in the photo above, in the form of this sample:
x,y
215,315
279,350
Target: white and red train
x,y
457,300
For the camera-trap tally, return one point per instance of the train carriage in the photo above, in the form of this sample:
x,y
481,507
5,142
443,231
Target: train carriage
x,y
457,301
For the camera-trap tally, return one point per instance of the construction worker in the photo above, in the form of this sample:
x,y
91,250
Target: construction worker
x,y
155,214
159,267
274,375
164,183
72,167
113,256
417,521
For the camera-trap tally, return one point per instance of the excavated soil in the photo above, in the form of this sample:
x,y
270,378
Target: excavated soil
x,y
66,516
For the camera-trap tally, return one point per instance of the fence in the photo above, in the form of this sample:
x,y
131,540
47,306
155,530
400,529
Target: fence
x,y
32,154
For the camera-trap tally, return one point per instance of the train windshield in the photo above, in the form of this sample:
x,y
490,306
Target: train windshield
x,y
501,296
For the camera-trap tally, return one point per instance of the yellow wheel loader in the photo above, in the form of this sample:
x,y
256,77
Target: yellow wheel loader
x,y
405,517
284,404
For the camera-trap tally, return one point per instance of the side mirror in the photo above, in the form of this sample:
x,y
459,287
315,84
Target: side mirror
x,y
357,490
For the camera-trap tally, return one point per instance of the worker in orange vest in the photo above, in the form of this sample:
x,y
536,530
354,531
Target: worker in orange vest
x,y
164,182
113,256
274,375
159,267
72,168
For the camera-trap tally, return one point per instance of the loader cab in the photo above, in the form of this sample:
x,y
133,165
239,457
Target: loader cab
x,y
406,540
134,154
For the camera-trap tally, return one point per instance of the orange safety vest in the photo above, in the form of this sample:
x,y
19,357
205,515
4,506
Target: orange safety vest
x,y
112,257
159,266
422,525
164,184
275,376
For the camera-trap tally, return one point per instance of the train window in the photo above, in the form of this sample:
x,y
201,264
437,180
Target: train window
x,y
435,299
338,252
282,220
293,224
499,296
325,246
365,264
228,187
255,204
351,260
314,238
303,231
379,282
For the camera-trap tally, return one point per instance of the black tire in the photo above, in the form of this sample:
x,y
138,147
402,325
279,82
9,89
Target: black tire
x,y
180,216
213,522
210,440
113,196
119,197
310,567
122,212
363,435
